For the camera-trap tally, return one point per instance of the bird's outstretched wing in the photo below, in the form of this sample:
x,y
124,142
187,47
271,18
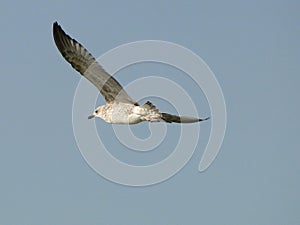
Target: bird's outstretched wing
x,y
83,61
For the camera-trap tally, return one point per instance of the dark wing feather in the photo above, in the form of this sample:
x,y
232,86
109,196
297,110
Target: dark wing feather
x,y
83,61
180,119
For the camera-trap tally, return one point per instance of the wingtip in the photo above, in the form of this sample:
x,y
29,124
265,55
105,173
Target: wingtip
x,y
56,27
55,32
207,118
59,36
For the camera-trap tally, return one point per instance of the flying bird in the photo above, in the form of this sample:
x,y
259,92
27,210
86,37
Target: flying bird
x,y
120,108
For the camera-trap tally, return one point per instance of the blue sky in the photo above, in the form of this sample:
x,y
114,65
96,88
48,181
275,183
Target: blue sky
x,y
253,49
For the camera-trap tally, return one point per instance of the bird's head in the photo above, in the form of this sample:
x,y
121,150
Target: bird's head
x,y
97,113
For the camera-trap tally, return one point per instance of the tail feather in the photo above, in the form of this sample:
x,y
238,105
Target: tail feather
x,y
152,114
180,119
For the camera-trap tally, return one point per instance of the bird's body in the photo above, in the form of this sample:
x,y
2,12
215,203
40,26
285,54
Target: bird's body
x,y
126,113
120,108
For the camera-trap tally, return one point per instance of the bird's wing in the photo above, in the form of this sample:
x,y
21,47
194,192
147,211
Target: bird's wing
x,y
83,61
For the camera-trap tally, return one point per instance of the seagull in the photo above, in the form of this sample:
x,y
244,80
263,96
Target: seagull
x,y
120,108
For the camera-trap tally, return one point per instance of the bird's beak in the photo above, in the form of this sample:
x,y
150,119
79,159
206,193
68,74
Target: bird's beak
x,y
91,117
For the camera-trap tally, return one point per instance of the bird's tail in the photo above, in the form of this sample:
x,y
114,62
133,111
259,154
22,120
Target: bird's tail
x,y
156,116
180,119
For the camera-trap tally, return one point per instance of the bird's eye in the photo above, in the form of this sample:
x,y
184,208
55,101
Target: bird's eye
x,y
96,111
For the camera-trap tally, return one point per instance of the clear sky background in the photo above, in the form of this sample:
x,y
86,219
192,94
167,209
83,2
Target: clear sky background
x,y
252,47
